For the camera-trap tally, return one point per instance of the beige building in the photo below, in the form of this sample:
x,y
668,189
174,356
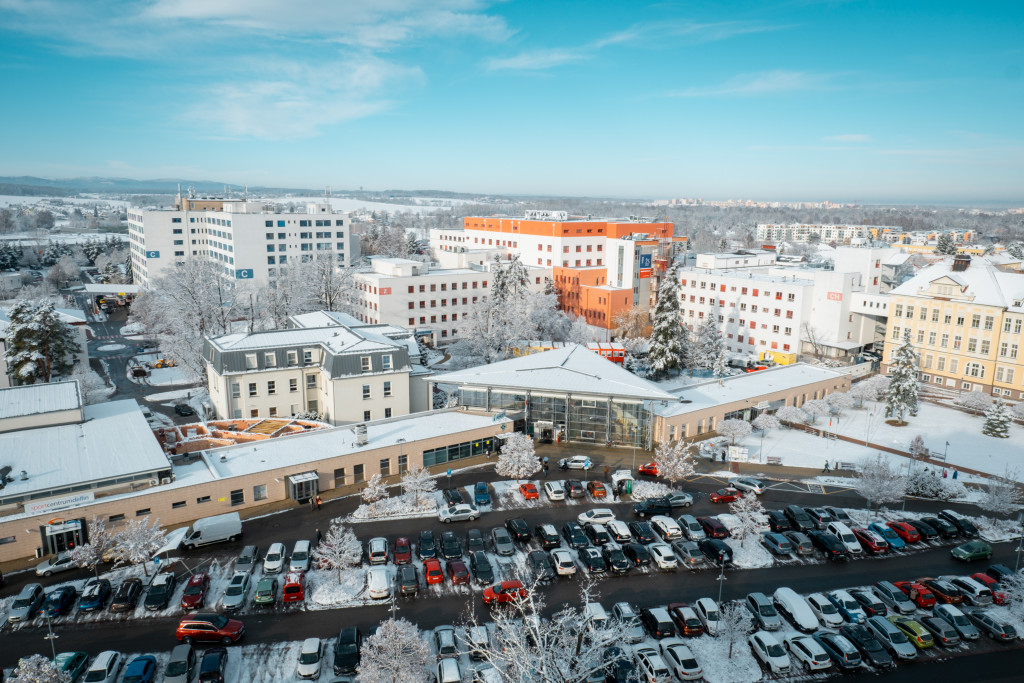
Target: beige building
x,y
965,319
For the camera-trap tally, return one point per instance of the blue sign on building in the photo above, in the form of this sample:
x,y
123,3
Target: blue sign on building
x,y
243,274
645,260
152,254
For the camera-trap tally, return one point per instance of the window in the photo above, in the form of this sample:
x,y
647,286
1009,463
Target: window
x,y
178,504
895,333
270,360
293,385
985,346
259,492
989,321
387,389
1003,349
944,342
238,497
927,361
250,361
898,311
941,363
403,464
954,363
920,336
935,315
255,412
357,474
960,320
386,362
972,345
271,387
366,392
924,313
236,389
307,357
365,363
339,476
143,512
931,338
311,381
387,413
910,311
385,467
956,342
252,388
203,499
293,358
366,415
975,321
120,518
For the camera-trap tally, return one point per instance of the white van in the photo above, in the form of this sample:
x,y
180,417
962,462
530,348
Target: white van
x,y
226,527
843,533
378,584
299,561
795,608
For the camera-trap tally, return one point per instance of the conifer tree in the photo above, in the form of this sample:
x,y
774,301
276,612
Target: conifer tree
x,y
997,421
668,342
945,245
901,394
40,346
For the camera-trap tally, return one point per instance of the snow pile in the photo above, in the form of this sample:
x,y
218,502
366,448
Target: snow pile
x,y
749,555
929,483
996,530
110,347
642,490
403,506
719,667
508,496
324,591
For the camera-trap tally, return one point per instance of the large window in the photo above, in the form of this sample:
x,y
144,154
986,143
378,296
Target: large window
x,y
473,398
437,456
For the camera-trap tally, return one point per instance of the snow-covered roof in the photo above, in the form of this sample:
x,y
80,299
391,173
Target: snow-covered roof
x,y
113,441
983,281
33,399
747,386
311,447
337,339
72,316
325,319
573,369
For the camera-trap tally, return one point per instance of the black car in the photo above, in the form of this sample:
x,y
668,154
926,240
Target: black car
x,y
453,496
426,548
615,560
593,560
547,536
161,588
717,551
408,579
597,534
184,409
778,522
451,549
927,531
540,565
211,668
962,524
642,532
871,605
481,567
637,553
653,506
833,645
126,596
519,529
475,541
945,529
574,488
346,651
832,547
868,646
1000,572
619,667
574,536
800,520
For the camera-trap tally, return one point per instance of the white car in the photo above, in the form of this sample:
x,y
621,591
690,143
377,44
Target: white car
x,y
769,650
61,562
748,484
310,658
680,659
824,610
564,564
299,561
709,614
596,516
632,629
576,462
619,531
663,556
448,671
554,490
273,562
461,512
666,528
378,583
652,666
105,668
808,652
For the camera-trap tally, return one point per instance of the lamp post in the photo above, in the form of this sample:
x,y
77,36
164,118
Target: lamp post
x,y
50,635
632,431
721,577
867,431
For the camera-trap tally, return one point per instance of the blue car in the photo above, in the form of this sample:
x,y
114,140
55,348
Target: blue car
x,y
58,601
142,669
895,542
94,595
481,494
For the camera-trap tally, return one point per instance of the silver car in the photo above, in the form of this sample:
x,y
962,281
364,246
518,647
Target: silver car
x,y
689,552
181,664
891,638
958,620
237,592
760,605
27,603
503,544
691,527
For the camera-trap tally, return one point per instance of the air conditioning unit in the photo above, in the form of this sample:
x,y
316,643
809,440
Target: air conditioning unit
x,y
165,480
153,482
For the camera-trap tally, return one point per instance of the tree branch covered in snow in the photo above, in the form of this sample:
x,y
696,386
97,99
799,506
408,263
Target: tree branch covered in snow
x,y
517,459
750,513
396,653
816,408
791,414
766,422
418,482
38,669
668,336
870,389
733,624
1002,496
339,549
375,489
675,460
734,430
839,401
879,482
137,540
102,539
997,421
976,401
901,395
39,344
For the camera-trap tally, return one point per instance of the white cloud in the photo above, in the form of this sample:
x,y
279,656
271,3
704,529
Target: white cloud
x,y
761,83
848,137
537,60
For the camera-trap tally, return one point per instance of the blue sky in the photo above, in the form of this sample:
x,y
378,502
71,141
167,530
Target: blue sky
x,y
873,101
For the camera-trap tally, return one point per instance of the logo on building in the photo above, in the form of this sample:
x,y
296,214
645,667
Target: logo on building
x,y
835,296
645,260
62,503
384,291
244,274
152,254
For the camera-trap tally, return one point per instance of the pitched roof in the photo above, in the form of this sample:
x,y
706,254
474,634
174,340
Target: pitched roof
x,y
572,369
336,339
982,280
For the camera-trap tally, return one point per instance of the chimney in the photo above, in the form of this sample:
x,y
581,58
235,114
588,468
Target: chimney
x,y
961,263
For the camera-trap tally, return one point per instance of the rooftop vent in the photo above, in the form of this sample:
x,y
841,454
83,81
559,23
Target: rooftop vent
x,y
961,263
361,438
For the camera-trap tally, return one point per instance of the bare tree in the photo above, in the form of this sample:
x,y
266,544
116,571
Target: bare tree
x,y
814,338
976,401
733,624
816,408
418,482
879,482
840,401
791,414
517,459
102,541
675,460
749,513
633,323
735,430
38,669
339,549
394,654
375,489
917,447
136,541
870,389
1002,495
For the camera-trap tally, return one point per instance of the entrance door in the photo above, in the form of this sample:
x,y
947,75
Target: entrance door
x,y
302,487
60,535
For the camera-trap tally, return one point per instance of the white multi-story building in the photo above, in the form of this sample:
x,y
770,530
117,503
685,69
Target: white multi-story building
x,y
249,240
736,259
410,294
800,232
347,374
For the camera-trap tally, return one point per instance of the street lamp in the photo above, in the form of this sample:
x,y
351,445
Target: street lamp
x,y
721,577
867,431
50,636
632,431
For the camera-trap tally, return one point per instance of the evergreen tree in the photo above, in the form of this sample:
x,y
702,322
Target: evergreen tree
x,y
10,255
997,421
945,245
40,346
708,344
901,394
1016,250
668,342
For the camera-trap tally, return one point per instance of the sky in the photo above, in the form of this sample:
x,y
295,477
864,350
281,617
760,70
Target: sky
x,y
797,100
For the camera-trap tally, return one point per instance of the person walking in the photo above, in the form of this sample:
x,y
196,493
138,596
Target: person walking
x,y
615,493
318,502
319,537
545,468
312,503
955,473
607,471
945,474
827,469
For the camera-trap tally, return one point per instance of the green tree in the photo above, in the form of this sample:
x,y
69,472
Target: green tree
x,y
40,346
945,245
668,338
997,421
901,394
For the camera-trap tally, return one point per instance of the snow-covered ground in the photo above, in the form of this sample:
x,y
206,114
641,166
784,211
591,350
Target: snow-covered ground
x,y
110,347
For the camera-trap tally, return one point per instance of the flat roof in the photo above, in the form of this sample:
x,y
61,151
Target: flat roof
x,y
34,399
113,441
747,386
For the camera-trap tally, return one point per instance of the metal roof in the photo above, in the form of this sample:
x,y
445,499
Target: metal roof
x,y
33,399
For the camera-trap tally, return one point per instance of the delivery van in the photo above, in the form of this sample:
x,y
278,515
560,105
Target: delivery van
x,y
226,527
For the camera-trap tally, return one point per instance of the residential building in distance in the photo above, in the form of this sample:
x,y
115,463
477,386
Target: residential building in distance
x,y
801,232
430,302
249,240
346,374
965,318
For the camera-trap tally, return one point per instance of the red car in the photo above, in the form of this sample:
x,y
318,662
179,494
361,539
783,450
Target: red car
x,y
529,491
999,596
458,573
506,591
908,533
870,541
726,495
209,628
403,551
650,469
294,589
432,571
918,594
713,528
194,596
597,489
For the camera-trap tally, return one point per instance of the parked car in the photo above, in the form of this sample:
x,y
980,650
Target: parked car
x,y
637,554
596,516
94,595
839,515
824,610
209,627
529,491
212,665
891,638
403,551
541,567
666,527
840,650
843,533
685,619
161,588
893,597
631,627
992,626
971,551
801,543
61,562
1000,572
141,669
266,592
917,634
574,535
765,614
952,615
547,536
778,522
872,542
808,652
563,562
574,488
652,506
452,496
849,609
451,547
890,536
619,531
926,531
596,489
999,595
445,643
273,562
642,532
650,664
311,657
247,559
871,605
800,520
963,525
194,596
237,592
918,593
820,517
679,658
184,409
181,664
597,534
481,567
657,622
945,529
944,591
713,528
832,547
906,532
776,543
726,495
867,644
717,551
105,667
662,556
795,608
688,553
942,631
506,591
502,541
126,596
519,529
432,572
378,583
748,484
615,560
59,601
769,651
975,594
460,512
554,490
709,614
594,561
692,528
293,587
299,560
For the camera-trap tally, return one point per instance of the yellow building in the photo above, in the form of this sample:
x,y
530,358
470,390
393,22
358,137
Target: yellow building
x,y
965,318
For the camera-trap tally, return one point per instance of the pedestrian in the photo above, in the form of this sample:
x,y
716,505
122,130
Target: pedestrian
x,y
545,467
945,474
312,503
607,471
955,473
826,470
615,493
319,537
318,502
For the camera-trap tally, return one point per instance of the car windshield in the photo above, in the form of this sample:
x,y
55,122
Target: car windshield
x,y
53,599
21,603
234,589
960,620
309,658
346,649
889,533
218,621
194,589
775,650
300,556
850,605
712,615
767,611
898,637
158,590
273,557
827,607
95,675
178,668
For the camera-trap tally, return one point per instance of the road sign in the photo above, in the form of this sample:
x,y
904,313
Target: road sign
x,y
449,471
